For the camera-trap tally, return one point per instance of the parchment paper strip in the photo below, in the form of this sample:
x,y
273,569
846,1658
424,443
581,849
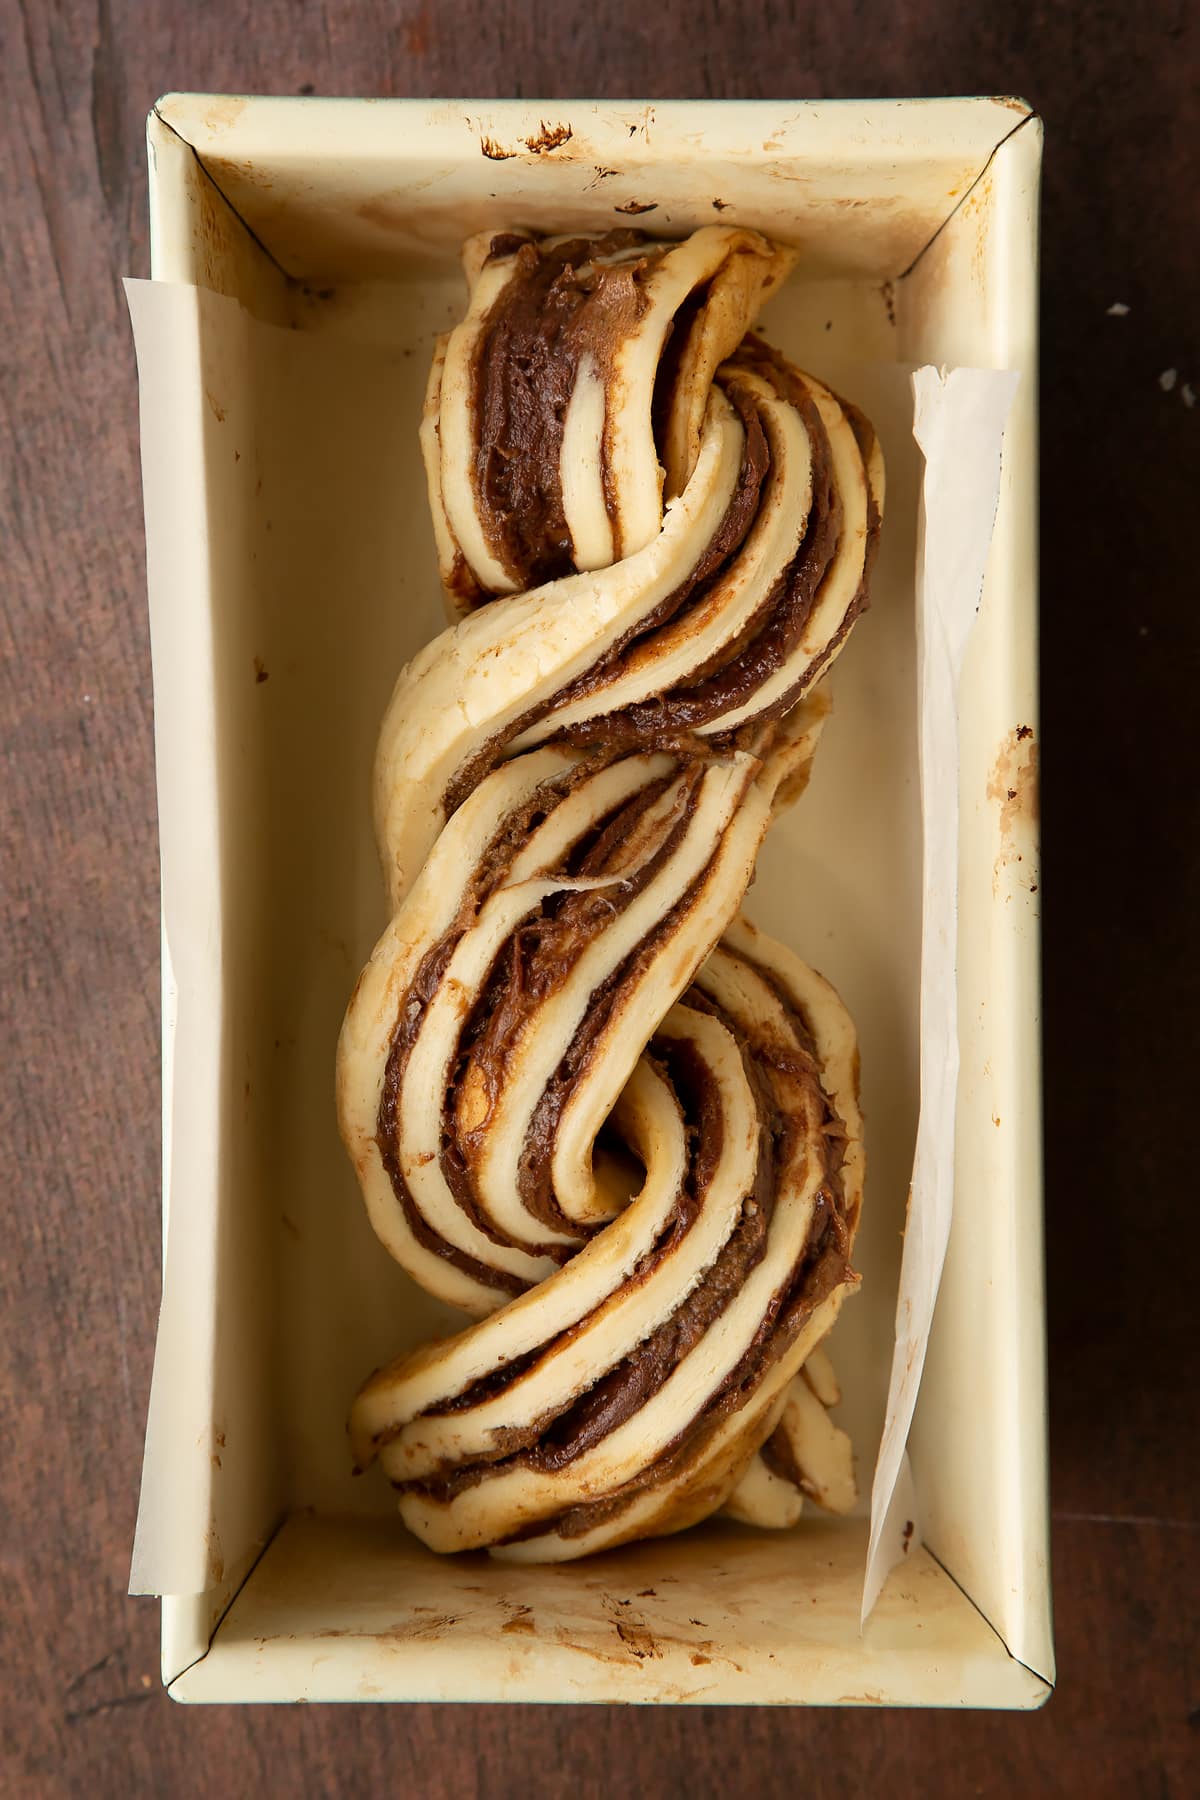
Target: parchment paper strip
x,y
959,419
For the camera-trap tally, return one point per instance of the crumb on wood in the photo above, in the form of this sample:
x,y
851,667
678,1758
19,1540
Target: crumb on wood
x,y
1118,310
261,672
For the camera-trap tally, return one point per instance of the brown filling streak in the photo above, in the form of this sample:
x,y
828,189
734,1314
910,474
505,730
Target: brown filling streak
x,y
780,1458
833,1125
557,306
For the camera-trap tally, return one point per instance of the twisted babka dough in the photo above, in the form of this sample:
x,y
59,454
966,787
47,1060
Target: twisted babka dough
x,y
586,1102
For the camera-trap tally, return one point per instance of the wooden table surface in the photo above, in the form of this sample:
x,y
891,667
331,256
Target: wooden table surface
x,y
79,1272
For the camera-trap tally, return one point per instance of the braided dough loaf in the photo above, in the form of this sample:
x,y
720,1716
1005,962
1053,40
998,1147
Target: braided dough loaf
x,y
587,1102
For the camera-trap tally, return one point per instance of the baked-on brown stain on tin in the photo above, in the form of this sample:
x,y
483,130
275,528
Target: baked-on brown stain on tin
x,y
636,1634
224,112
521,1622
544,140
1013,784
216,1561
547,138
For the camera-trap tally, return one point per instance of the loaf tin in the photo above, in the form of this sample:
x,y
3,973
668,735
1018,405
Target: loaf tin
x,y
310,248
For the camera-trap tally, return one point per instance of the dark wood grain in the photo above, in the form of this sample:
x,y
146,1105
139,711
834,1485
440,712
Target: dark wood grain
x,y
79,1268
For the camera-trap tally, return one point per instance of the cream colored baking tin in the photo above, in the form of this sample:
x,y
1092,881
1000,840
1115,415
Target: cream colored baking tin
x,y
291,572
